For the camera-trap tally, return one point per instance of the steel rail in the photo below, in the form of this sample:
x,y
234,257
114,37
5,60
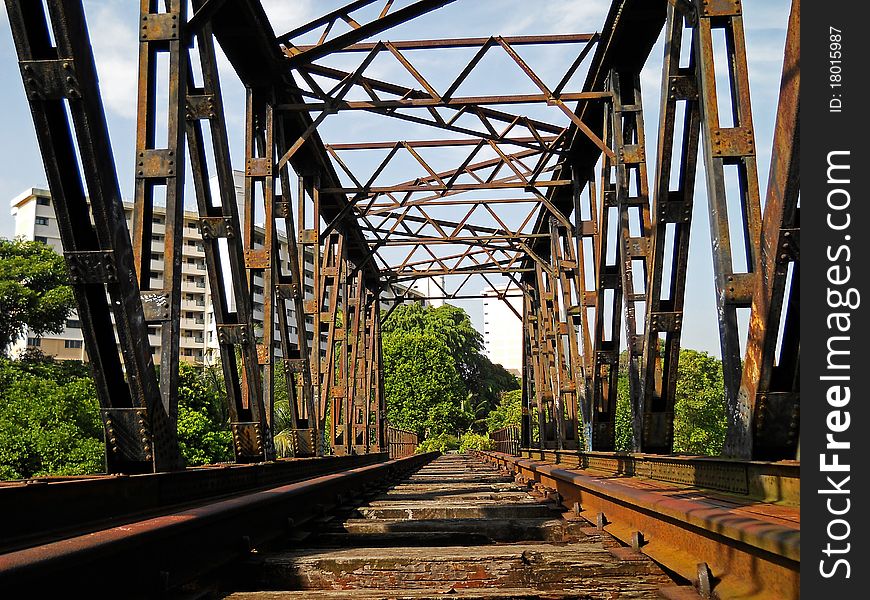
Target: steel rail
x,y
748,550
153,556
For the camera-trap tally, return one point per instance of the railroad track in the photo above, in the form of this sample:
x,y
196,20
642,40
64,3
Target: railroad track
x,y
457,527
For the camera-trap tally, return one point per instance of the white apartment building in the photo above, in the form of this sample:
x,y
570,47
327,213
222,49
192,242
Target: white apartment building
x,y
502,330
35,220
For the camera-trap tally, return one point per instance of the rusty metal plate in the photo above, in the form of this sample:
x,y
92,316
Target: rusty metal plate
x,y
739,288
637,247
156,305
247,440
258,259
127,434
263,357
632,154
200,107
720,8
91,267
287,291
308,236
50,79
258,167
158,27
682,86
295,365
216,227
667,321
232,334
155,163
310,306
733,141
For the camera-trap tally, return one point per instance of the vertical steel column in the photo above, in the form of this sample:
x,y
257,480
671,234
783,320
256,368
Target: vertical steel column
x,y
140,436
769,390
221,222
333,375
729,145
568,368
632,198
160,164
356,402
528,378
586,298
297,361
252,435
309,239
378,413
547,384
671,208
607,269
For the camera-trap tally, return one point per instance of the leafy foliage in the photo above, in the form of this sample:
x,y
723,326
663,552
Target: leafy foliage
x,y
49,419
203,422
699,415
475,441
33,290
699,410
508,412
436,378
443,442
423,388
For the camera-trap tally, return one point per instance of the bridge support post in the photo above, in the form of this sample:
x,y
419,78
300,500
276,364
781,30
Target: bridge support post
x,y
140,433
729,141
669,241
218,223
608,307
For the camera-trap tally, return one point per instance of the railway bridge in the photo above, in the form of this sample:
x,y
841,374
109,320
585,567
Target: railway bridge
x,y
552,187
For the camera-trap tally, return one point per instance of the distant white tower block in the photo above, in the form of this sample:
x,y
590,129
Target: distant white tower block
x,y
430,287
502,329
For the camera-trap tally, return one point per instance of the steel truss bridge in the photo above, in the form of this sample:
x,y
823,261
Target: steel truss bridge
x,y
550,190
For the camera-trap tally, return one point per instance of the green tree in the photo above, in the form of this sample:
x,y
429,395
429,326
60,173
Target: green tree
x,y
699,413
33,290
49,419
423,388
508,412
203,421
445,350
699,406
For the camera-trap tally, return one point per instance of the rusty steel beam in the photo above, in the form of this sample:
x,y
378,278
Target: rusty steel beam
x,y
160,166
672,208
358,32
139,430
769,389
747,552
437,44
176,546
729,140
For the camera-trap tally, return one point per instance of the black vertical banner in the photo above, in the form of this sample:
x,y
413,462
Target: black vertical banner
x,y
835,462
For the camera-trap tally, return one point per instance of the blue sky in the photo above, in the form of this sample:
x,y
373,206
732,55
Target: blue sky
x,y
116,53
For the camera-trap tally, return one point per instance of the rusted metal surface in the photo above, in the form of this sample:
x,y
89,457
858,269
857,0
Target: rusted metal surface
x,y
401,443
151,556
752,549
507,440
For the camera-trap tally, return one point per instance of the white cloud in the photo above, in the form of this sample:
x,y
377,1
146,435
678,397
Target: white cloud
x,y
115,42
286,14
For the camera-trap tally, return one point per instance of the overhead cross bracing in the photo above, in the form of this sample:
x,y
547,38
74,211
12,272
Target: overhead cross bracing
x,y
540,179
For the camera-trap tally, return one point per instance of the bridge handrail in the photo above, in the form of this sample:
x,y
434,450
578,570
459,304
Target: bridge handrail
x,y
507,439
401,443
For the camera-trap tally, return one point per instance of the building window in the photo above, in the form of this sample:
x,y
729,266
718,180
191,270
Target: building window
x,y
72,343
41,239
73,324
34,342
43,201
42,220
